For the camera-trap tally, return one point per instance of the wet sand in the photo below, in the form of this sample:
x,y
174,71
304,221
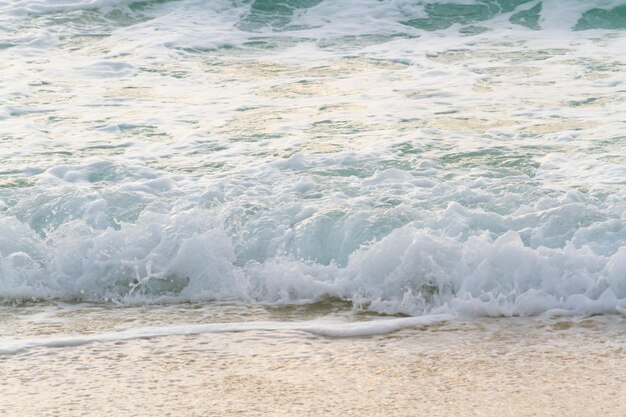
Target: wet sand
x,y
478,367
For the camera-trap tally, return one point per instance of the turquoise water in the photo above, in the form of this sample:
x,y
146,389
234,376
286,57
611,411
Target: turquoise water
x,y
405,157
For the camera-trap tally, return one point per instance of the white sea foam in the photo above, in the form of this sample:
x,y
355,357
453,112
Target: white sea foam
x,y
175,151
317,327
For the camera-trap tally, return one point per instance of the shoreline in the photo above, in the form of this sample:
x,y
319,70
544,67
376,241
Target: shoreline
x,y
480,366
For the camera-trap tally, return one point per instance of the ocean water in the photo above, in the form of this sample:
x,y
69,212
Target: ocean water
x,y
268,207
409,157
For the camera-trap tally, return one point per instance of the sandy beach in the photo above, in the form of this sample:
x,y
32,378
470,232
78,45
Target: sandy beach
x,y
481,367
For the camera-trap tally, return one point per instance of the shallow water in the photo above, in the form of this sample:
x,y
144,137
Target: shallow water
x,y
547,366
405,156
399,207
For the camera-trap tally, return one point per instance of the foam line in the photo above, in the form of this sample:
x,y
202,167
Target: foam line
x,y
316,327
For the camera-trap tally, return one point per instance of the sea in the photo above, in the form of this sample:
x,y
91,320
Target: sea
x,y
312,207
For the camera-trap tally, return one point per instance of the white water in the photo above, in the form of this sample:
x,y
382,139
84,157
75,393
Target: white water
x,y
316,327
183,151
